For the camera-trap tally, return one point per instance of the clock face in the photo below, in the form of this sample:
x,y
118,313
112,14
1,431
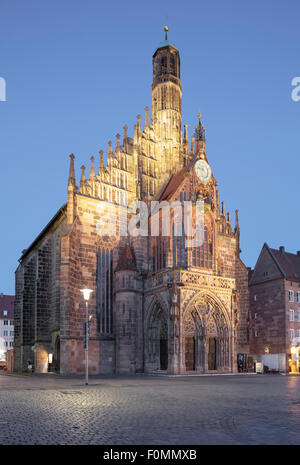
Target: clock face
x,y
202,170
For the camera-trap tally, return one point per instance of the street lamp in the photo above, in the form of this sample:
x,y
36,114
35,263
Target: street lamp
x,y
86,296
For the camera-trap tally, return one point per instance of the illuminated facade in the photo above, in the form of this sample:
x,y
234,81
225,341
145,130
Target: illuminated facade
x,y
157,303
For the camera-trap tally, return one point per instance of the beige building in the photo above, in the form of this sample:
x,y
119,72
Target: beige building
x,y
158,303
6,325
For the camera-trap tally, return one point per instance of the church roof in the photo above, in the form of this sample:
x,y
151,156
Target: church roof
x,y
61,212
126,260
174,183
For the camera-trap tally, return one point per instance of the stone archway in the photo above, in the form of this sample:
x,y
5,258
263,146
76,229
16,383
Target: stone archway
x,y
206,336
157,346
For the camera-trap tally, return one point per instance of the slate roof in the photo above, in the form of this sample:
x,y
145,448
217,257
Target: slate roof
x,y
289,263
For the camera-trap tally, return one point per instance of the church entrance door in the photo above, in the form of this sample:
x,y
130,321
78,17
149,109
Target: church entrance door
x,y
212,362
189,353
163,354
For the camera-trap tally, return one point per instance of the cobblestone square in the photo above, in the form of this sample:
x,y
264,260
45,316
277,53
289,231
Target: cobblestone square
x,y
228,409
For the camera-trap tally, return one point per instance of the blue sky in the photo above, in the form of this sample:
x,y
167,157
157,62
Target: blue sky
x,y
76,72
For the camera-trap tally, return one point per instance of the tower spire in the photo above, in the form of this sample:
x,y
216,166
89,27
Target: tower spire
x,y
199,129
166,102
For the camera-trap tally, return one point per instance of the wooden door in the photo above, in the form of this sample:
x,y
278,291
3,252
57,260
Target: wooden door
x,y
189,353
212,365
163,354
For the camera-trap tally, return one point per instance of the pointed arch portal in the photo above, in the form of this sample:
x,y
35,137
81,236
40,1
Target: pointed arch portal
x,y
206,342
157,332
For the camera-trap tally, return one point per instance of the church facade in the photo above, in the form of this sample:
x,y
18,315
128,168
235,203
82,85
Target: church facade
x,y
160,301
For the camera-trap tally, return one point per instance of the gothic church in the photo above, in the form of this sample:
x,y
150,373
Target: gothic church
x,y
157,305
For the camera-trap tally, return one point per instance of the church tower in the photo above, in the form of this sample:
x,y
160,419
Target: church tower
x,y
166,101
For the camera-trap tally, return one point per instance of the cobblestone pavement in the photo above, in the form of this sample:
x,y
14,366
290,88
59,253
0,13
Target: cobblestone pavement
x,y
240,409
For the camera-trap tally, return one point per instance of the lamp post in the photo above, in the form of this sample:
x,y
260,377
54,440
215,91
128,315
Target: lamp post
x,y
86,296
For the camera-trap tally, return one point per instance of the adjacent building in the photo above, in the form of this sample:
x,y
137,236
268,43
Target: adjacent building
x,y
6,325
158,302
275,308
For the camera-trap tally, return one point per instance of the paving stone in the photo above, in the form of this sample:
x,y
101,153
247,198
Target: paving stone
x,y
240,409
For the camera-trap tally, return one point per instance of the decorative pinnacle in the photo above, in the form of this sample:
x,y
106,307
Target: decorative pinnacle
x,y
92,172
185,132
199,115
71,171
147,123
101,166
82,174
236,219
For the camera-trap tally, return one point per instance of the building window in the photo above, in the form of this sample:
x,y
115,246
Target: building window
x,y
255,316
4,312
292,334
11,333
11,344
292,315
298,315
291,296
298,297
105,291
6,344
255,333
255,298
202,256
5,322
5,333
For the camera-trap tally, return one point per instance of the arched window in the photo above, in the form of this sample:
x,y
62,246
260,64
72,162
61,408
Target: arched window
x,y
202,256
172,65
104,278
164,65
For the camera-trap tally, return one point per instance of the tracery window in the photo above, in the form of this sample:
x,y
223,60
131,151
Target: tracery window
x,y
203,256
104,278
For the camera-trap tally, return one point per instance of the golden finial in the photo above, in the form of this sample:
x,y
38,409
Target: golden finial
x,y
166,32
199,115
